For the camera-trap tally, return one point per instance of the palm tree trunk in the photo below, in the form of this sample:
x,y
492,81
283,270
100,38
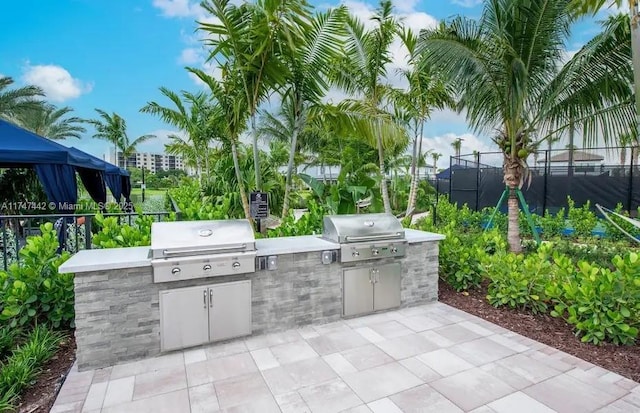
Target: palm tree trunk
x,y
512,174
415,167
243,194
635,53
256,153
287,181
383,183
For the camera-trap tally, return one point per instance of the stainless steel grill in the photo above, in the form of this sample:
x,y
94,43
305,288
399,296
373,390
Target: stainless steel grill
x,y
365,236
198,249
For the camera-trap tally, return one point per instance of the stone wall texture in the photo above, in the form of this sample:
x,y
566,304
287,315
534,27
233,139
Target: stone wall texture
x,y
118,312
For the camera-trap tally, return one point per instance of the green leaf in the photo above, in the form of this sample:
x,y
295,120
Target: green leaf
x,y
31,312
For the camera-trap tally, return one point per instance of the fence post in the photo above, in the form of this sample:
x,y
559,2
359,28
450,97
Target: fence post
x,y
450,176
544,189
87,232
477,181
630,192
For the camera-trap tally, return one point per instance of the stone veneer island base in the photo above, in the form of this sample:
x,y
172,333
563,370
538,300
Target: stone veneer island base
x,y
117,303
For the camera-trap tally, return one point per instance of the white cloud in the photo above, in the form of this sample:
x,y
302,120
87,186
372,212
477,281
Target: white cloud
x,y
56,81
190,56
467,3
179,8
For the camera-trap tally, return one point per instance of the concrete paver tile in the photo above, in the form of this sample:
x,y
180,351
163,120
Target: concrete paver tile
x,y
444,362
384,405
366,357
159,382
219,369
519,402
420,370
418,398
264,359
406,346
173,402
203,399
381,381
119,391
241,390
293,351
330,397
471,388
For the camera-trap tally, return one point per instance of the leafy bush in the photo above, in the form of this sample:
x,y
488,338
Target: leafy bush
x,y
25,363
552,225
115,235
582,219
518,281
194,206
33,290
603,305
614,233
310,223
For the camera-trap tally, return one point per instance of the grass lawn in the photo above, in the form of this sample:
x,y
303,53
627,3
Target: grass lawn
x,y
148,192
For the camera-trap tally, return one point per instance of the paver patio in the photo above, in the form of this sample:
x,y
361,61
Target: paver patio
x,y
432,358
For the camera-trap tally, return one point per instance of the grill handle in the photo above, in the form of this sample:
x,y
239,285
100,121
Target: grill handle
x,y
372,237
200,251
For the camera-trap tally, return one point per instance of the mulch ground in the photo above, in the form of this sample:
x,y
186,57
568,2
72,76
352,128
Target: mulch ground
x,y
554,332
39,398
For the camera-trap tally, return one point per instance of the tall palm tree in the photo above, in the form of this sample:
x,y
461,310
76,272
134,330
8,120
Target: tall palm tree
x,y
230,112
505,68
307,84
250,39
426,91
457,146
128,147
362,71
50,122
191,114
435,156
15,101
109,127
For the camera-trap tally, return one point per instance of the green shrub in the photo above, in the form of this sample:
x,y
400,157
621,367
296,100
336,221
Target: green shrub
x,y
552,225
115,235
25,363
582,219
602,252
33,290
308,224
194,206
517,281
8,338
614,233
604,305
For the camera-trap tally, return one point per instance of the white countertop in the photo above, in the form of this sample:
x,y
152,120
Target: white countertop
x,y
106,259
415,236
117,258
292,245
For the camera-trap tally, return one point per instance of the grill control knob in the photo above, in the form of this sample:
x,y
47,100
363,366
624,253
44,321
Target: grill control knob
x,y
207,267
355,253
175,271
235,265
394,250
375,251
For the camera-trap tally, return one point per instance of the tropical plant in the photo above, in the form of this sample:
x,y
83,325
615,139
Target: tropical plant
x,y
435,156
361,72
250,40
114,234
14,102
193,116
109,127
457,146
49,121
506,72
426,91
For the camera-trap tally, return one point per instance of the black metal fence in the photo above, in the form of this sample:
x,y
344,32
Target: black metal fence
x,y
607,176
75,231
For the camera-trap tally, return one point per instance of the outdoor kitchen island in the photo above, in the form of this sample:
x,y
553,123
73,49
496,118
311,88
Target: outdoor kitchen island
x,y
128,306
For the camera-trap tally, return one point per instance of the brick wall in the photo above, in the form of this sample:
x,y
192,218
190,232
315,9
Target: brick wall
x,y
118,317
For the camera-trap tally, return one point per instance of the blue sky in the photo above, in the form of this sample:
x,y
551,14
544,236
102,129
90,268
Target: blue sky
x,y
114,55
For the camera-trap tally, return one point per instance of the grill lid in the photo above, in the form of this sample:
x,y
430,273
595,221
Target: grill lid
x,y
362,227
184,238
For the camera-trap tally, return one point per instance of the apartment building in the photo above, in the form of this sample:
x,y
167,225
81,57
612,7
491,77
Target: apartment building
x,y
152,162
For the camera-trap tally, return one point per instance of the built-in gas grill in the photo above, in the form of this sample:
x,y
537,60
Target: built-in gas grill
x,y
185,250
371,285
365,236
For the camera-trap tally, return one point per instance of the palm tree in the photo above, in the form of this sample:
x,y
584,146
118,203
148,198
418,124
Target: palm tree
x,y
457,146
251,39
191,115
230,112
426,91
50,122
14,101
128,147
505,68
361,72
307,83
435,156
111,128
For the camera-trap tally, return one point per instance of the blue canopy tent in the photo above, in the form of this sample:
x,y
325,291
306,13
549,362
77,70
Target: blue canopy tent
x,y
113,175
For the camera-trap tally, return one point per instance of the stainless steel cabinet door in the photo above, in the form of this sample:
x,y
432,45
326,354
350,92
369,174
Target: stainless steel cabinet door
x,y
230,310
386,290
184,317
357,291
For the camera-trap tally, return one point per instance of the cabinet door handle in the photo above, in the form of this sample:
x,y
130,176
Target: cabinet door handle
x,y
371,276
210,297
205,298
